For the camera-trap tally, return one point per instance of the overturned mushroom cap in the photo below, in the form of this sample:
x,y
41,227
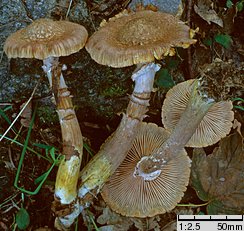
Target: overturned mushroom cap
x,y
133,196
138,37
215,125
44,38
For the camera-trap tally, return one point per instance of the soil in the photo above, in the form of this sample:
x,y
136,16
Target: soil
x,y
100,95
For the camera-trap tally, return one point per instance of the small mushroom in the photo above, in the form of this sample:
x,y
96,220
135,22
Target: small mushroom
x,y
215,125
47,40
138,196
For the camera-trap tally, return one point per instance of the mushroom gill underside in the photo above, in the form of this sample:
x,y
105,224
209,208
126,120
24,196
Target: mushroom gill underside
x,y
133,196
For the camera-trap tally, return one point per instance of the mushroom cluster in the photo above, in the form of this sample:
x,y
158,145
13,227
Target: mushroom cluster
x,y
153,177
127,39
142,169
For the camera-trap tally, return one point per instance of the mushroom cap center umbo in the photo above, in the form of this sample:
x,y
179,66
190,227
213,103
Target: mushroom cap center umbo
x,y
146,30
139,31
42,29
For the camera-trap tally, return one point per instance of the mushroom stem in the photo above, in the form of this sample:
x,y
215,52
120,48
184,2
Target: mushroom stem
x,y
113,151
68,171
69,168
196,109
48,65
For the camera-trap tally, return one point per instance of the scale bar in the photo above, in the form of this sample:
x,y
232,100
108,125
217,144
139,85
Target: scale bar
x,y
210,218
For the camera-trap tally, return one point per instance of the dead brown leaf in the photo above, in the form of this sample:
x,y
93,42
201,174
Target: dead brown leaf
x,y
26,114
219,177
151,223
237,126
113,221
171,226
208,14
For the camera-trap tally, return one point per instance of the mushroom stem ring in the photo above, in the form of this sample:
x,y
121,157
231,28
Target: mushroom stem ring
x,y
145,84
140,171
49,65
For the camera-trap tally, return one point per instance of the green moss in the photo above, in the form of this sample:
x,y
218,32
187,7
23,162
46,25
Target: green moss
x,y
47,114
107,111
114,91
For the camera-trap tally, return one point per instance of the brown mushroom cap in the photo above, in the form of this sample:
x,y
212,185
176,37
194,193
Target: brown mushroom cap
x,y
215,125
136,197
44,38
138,37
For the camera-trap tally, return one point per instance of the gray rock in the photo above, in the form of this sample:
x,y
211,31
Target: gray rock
x,y
168,6
98,90
40,8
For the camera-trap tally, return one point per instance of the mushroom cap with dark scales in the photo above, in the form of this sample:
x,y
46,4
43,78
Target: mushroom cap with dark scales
x,y
138,37
215,125
133,196
44,38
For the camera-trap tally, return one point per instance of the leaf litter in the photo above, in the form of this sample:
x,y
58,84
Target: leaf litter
x,y
219,177
113,221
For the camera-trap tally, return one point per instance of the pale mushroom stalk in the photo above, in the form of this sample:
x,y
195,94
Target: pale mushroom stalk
x,y
115,148
197,107
49,66
94,175
68,171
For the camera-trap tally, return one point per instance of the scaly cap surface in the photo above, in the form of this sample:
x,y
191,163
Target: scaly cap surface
x,y
44,38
